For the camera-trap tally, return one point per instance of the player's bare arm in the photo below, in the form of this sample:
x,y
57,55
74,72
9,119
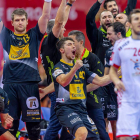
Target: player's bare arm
x,y
67,10
101,81
1,24
119,86
43,20
47,90
59,19
65,79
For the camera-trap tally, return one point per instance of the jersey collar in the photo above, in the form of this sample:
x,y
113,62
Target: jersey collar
x,y
70,64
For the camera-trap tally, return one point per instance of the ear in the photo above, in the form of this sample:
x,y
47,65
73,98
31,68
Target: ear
x,y
81,42
127,24
62,50
27,21
12,22
119,35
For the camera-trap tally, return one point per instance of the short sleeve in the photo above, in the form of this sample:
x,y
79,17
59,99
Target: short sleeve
x,y
89,75
4,35
115,58
38,33
56,72
107,59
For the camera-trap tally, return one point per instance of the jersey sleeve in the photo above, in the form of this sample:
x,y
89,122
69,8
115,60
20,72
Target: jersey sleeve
x,y
96,65
115,58
107,59
38,33
49,50
6,102
57,71
4,35
89,75
130,6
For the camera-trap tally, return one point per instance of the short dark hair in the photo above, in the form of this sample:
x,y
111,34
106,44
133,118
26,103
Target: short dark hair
x,y
124,14
105,11
79,35
134,11
118,27
50,25
61,42
105,3
19,11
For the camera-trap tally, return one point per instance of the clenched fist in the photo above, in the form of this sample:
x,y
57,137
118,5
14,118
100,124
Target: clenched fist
x,y
78,64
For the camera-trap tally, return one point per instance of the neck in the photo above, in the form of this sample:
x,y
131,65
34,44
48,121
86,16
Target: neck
x,y
66,59
126,28
136,37
17,32
80,52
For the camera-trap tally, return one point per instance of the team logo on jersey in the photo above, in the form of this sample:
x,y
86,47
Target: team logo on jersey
x,y
136,64
32,103
76,91
82,74
19,53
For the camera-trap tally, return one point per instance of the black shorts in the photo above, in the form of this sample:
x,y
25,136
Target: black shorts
x,y
2,130
24,97
112,107
72,119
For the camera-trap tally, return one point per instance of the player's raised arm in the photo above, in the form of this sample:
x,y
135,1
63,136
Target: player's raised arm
x,y
59,19
43,20
1,24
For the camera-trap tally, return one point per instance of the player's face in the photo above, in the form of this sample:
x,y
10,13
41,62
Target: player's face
x,y
77,44
113,8
121,18
111,35
69,50
135,23
20,23
62,32
106,19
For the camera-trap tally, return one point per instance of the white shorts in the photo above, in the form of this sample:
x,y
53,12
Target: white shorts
x,y
128,123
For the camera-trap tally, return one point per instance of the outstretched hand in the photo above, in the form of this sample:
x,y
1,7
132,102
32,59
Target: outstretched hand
x,y
71,1
100,1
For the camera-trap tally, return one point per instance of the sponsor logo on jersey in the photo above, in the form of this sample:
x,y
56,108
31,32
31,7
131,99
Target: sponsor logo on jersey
x,y
60,100
19,53
126,43
57,72
32,103
112,55
136,67
76,91
85,60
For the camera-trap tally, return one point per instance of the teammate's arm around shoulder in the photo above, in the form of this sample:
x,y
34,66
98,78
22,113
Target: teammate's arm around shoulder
x,y
1,24
65,79
43,20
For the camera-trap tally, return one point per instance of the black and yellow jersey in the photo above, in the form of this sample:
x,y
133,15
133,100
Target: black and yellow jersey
x,y
20,55
75,92
50,55
5,99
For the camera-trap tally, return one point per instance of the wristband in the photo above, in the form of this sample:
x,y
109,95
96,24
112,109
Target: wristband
x,y
47,0
69,4
0,19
